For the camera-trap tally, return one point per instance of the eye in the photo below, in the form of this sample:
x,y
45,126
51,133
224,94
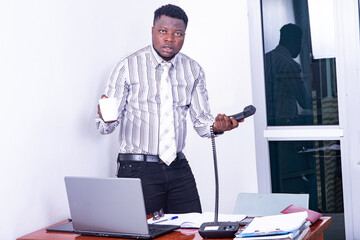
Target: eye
x,y
178,34
162,31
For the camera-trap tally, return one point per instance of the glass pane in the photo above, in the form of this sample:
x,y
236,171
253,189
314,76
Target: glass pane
x,y
312,167
300,88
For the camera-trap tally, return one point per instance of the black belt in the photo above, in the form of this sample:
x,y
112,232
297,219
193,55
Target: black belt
x,y
144,157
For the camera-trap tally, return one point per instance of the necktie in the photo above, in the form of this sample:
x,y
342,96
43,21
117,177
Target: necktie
x,y
167,145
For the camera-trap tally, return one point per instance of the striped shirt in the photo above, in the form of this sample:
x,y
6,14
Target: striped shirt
x,y
135,82
285,87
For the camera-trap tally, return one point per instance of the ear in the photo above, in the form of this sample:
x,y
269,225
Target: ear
x,y
152,30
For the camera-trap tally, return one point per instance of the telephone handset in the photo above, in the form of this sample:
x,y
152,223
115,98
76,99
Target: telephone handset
x,y
248,111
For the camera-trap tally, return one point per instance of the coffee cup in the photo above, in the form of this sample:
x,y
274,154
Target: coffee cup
x,y
109,109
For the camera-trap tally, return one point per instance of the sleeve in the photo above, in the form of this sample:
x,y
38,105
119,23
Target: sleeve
x,y
116,87
295,84
301,95
199,108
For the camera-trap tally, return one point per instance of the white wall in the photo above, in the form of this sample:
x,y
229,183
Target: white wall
x,y
55,57
221,28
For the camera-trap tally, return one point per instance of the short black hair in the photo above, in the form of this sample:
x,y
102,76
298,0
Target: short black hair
x,y
172,11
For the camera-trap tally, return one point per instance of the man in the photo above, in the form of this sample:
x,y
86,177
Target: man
x,y
137,82
284,84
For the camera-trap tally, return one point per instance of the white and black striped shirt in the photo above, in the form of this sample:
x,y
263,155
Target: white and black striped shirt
x,y
135,82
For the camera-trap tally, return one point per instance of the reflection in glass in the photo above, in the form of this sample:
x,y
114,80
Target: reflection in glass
x,y
300,90
285,89
312,167
322,27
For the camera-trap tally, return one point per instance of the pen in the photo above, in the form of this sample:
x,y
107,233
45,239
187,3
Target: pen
x,y
168,219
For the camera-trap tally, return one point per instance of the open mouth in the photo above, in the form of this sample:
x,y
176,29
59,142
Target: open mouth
x,y
167,49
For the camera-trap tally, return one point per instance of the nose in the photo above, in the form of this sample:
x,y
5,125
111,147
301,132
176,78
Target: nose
x,y
169,37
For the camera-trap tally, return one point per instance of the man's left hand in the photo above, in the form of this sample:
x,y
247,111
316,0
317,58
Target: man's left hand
x,y
224,123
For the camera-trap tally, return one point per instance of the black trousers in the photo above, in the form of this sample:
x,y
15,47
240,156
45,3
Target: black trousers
x,y
172,188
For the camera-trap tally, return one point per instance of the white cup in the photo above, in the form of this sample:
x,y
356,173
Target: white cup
x,y
109,109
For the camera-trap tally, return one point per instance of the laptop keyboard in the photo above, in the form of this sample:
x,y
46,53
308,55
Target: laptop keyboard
x,y
155,229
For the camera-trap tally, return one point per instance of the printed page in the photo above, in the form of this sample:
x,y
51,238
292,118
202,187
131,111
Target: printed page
x,y
275,224
194,220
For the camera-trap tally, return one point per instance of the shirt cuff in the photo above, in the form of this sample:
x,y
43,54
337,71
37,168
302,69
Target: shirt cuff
x,y
215,133
105,128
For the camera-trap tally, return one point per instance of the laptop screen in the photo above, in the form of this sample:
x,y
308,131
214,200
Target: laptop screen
x,y
107,205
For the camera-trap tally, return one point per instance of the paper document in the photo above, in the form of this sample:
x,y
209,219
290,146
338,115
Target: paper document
x,y
194,220
296,235
274,225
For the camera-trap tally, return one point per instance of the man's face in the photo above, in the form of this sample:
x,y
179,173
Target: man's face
x,y
168,36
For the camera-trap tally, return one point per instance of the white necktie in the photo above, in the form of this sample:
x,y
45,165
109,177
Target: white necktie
x,y
167,144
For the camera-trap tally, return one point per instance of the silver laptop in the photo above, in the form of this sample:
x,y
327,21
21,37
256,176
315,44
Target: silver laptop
x,y
111,207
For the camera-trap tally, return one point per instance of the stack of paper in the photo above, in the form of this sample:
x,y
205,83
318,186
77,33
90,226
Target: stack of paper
x,y
194,220
284,226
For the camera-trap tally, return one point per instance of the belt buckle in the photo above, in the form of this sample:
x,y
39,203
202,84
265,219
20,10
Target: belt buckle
x,y
152,158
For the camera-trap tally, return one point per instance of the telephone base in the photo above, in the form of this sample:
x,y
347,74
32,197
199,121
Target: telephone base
x,y
218,229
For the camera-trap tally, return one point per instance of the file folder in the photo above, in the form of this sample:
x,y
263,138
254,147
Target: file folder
x,y
274,225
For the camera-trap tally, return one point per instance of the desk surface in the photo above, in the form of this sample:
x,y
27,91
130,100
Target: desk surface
x,y
316,233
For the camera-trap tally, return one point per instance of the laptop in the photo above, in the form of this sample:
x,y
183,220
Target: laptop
x,y
110,207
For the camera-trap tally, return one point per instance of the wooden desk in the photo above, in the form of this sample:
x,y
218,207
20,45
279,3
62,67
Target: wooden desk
x,y
316,233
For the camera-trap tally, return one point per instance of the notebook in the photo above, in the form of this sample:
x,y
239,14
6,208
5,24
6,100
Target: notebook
x,y
110,207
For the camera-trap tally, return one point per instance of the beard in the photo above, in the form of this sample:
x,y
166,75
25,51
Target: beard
x,y
163,57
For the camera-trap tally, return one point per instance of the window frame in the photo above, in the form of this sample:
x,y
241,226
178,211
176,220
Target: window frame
x,y
346,14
